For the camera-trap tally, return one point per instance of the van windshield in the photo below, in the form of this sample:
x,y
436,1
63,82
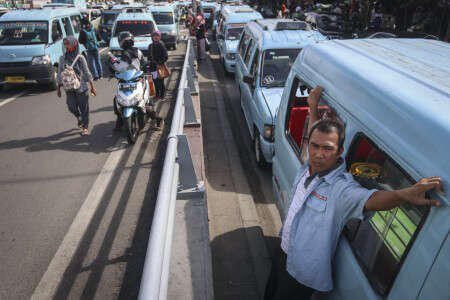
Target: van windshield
x,y
136,28
23,33
108,19
234,33
163,18
276,66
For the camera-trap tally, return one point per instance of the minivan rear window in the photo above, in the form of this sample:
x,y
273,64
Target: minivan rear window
x,y
136,28
163,18
23,33
276,66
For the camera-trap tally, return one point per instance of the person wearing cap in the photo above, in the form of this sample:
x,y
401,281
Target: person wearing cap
x,y
88,38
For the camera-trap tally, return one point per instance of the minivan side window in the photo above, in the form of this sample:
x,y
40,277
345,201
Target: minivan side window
x,y
248,52
382,242
76,22
297,118
67,26
56,31
243,43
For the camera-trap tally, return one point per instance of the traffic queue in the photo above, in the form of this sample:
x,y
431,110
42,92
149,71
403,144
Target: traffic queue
x,y
354,131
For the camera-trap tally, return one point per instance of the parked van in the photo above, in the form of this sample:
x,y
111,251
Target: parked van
x,y
266,52
141,25
106,23
393,97
232,22
165,17
31,43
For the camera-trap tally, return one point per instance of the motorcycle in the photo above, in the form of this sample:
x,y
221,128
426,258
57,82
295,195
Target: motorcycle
x,y
132,96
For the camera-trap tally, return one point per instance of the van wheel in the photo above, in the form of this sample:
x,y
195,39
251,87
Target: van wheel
x,y
53,85
259,156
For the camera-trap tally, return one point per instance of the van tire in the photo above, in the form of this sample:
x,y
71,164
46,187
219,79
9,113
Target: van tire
x,y
259,156
53,85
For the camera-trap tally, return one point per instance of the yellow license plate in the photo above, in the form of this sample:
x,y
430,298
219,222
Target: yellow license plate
x,y
15,79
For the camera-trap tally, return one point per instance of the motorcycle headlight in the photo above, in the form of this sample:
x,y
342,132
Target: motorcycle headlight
x,y
40,60
268,132
231,56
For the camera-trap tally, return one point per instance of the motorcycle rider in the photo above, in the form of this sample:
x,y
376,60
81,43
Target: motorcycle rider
x,y
135,59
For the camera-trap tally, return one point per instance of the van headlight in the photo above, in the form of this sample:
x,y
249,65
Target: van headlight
x,y
268,132
40,60
173,32
231,56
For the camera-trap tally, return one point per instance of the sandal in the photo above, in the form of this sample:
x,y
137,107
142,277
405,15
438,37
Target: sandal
x,y
85,131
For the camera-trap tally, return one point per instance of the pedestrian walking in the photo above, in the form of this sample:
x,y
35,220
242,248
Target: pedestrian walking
x,y
157,57
323,198
74,76
200,34
88,38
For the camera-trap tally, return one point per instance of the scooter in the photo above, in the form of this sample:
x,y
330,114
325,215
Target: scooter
x,y
132,96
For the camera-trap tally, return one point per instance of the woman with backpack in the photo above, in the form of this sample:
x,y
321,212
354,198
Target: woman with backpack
x,y
157,56
74,76
88,38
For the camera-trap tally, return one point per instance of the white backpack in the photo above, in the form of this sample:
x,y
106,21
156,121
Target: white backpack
x,y
69,77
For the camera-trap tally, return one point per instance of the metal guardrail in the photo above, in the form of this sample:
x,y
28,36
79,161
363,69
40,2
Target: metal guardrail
x,y
155,277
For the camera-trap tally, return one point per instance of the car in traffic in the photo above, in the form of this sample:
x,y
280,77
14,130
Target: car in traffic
x,y
392,96
266,51
140,25
231,24
31,43
165,17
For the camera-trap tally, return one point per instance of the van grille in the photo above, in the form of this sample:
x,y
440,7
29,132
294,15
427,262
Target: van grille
x,y
14,64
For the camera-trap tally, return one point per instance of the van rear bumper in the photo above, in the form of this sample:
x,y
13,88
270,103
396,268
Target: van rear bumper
x,y
31,73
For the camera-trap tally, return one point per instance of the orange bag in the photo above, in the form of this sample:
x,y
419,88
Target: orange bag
x,y
163,71
151,86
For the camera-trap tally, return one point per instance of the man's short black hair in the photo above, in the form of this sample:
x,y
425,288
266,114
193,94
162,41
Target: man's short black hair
x,y
329,126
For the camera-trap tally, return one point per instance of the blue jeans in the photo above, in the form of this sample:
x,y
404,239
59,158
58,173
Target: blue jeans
x,y
95,64
78,104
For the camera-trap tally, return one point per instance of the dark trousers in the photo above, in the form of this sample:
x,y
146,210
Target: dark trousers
x,y
78,104
281,285
160,89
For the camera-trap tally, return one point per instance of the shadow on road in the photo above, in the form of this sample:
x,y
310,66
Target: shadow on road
x,y
101,140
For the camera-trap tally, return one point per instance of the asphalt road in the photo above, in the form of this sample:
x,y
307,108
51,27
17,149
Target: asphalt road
x,y
75,212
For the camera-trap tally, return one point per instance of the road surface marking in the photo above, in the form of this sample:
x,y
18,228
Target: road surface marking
x,y
11,99
52,277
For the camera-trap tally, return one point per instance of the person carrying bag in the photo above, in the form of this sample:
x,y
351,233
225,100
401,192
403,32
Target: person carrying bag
x,y
74,76
157,57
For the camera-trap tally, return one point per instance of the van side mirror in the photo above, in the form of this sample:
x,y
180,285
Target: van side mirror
x,y
249,79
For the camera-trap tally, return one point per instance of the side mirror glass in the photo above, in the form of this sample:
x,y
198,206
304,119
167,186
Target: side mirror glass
x,y
249,79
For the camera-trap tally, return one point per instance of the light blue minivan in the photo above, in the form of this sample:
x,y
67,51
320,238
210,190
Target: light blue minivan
x,y
267,50
167,21
393,97
31,43
232,22
141,25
